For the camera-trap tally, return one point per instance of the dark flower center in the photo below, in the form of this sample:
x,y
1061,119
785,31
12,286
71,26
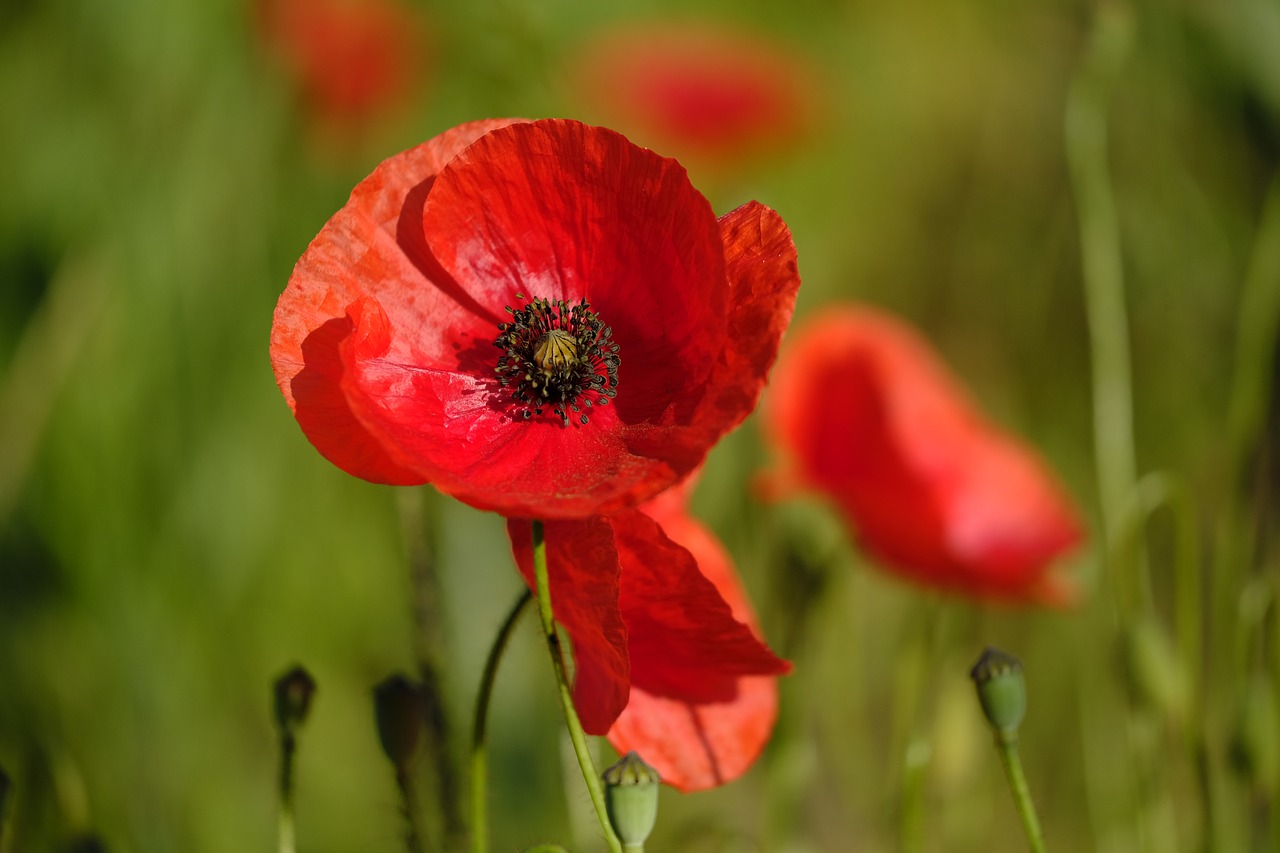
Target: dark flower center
x,y
557,356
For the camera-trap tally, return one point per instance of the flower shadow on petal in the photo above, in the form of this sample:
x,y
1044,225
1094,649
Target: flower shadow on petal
x,y
476,356
322,409
413,241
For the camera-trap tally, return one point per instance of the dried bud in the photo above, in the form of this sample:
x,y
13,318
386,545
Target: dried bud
x,y
1001,690
293,692
631,797
400,709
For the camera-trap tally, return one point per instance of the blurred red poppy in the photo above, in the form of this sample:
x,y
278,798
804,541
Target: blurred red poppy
x,y
704,91
661,628
352,59
539,318
865,412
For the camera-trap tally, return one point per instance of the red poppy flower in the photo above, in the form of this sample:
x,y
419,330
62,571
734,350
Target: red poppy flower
x,y
539,318
867,414
352,59
660,627
701,90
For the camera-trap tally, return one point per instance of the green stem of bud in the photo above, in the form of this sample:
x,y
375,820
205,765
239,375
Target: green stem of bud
x,y
288,746
576,734
479,744
292,694
1002,693
400,708
409,805
1007,746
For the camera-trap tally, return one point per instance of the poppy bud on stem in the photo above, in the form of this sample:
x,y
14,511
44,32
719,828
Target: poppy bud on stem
x,y
631,793
292,695
576,734
1002,693
400,709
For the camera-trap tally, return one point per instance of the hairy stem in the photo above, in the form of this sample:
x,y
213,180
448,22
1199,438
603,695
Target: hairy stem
x,y
576,734
1007,746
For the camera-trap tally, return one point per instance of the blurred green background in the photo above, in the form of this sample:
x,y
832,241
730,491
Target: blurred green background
x,y
170,543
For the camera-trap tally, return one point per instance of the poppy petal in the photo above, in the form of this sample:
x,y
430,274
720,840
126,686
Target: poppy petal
x,y
583,573
433,246
697,745
764,278
684,639
356,255
489,248
708,91
868,414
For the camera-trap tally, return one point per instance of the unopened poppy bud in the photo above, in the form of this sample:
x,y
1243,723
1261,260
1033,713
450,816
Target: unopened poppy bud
x,y
1001,690
400,710
293,692
631,797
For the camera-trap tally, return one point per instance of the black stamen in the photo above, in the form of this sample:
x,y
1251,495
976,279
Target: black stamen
x,y
557,352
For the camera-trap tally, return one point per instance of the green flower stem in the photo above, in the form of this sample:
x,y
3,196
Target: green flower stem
x,y
576,734
288,748
1007,746
409,805
1103,270
913,701
1257,326
479,745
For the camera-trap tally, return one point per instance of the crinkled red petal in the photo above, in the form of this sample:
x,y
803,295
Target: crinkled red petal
x,y
868,414
558,209
358,255
764,277
549,209
583,571
681,641
685,642
697,745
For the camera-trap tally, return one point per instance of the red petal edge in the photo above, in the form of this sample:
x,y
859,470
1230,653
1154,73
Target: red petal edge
x,y
698,745
311,319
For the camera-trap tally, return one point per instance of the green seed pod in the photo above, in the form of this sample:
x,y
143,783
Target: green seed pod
x,y
1001,690
631,798
293,692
